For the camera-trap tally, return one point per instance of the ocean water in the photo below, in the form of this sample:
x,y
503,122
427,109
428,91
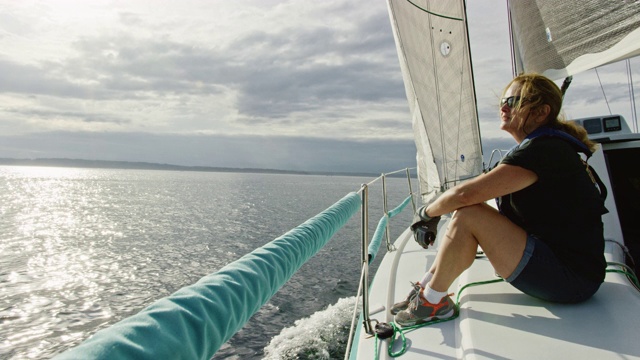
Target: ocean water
x,y
81,249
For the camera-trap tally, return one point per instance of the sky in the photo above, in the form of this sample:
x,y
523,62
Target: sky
x,y
292,85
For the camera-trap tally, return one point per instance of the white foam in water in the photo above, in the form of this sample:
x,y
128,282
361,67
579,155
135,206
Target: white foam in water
x,y
323,335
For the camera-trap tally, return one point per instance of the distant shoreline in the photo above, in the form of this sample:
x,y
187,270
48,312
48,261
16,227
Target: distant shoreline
x,y
104,164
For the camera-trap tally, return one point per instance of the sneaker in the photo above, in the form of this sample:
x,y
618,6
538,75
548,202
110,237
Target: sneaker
x,y
421,311
399,306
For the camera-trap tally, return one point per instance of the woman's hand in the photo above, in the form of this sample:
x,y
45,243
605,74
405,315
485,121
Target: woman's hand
x,y
425,228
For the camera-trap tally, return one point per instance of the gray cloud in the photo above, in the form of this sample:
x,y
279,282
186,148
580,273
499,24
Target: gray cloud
x,y
280,82
80,116
38,79
275,74
333,72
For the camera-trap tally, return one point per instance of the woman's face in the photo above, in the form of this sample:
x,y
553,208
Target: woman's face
x,y
512,119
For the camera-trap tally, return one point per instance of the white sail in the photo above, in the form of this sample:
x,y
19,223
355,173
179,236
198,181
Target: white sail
x,y
563,38
432,41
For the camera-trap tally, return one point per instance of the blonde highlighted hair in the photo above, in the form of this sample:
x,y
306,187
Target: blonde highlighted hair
x,y
539,90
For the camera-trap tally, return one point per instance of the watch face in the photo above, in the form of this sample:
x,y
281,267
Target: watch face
x,y
445,48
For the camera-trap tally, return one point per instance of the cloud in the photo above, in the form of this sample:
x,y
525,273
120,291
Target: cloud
x,y
33,79
80,116
287,69
323,71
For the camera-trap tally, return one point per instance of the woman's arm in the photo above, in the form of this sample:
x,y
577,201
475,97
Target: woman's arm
x,y
503,179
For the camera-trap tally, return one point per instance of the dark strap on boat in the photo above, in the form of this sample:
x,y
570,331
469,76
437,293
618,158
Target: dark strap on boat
x,y
597,181
565,84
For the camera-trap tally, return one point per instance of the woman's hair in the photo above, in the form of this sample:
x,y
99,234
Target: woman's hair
x,y
537,90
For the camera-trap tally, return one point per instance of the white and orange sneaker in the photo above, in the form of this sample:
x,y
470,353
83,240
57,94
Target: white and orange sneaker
x,y
420,311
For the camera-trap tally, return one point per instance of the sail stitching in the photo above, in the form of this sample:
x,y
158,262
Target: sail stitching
x,y
434,14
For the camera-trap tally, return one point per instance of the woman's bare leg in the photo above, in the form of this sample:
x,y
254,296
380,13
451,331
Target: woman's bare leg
x,y
502,241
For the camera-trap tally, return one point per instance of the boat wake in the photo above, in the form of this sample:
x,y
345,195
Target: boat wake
x,y
323,335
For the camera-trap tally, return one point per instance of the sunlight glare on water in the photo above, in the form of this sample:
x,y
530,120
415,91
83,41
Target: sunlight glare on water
x,y
53,246
81,249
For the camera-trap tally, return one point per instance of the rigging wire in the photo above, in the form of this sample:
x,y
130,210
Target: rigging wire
x,y
514,65
603,93
632,96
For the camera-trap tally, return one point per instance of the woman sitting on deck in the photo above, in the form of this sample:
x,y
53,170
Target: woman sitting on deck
x,y
547,237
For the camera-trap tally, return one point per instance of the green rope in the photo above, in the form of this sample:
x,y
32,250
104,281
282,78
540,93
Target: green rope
x,y
396,329
632,277
626,271
456,314
402,331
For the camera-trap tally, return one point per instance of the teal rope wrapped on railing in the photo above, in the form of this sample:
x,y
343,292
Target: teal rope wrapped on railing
x,y
195,321
374,246
400,207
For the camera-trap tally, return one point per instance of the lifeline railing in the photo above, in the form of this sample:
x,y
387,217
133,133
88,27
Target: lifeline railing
x,y
195,321
369,250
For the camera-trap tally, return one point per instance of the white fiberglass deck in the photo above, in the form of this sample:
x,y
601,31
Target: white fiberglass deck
x,y
499,322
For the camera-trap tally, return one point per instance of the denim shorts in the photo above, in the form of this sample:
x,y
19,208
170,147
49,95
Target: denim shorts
x,y
540,274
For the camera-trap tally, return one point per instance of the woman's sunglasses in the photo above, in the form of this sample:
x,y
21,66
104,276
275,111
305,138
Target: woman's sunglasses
x,y
511,101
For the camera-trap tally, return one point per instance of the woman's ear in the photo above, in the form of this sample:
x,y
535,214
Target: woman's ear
x,y
542,112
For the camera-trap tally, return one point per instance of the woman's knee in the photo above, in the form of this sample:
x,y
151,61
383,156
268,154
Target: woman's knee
x,y
502,241
469,216
462,225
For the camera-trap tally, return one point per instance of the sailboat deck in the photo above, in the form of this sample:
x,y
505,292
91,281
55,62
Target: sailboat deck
x,y
497,321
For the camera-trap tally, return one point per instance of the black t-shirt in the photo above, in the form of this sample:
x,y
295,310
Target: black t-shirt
x,y
563,208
